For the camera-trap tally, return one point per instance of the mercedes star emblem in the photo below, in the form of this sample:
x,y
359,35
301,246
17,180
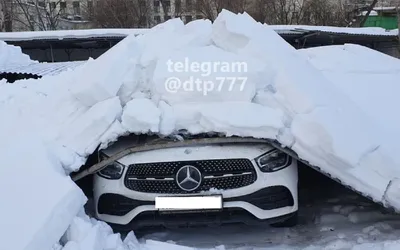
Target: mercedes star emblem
x,y
188,178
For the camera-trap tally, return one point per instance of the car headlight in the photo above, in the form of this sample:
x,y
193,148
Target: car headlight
x,y
113,171
273,161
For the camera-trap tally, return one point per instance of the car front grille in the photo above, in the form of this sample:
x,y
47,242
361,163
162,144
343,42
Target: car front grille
x,y
160,177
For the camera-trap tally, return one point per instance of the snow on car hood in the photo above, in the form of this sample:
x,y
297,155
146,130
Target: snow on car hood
x,y
278,95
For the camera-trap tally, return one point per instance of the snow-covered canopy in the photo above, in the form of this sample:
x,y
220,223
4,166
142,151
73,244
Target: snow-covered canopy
x,y
121,33
144,84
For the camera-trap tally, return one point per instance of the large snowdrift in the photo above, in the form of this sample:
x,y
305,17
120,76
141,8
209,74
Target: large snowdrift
x,y
124,91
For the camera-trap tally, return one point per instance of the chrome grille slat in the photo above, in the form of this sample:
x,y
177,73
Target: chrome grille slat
x,y
219,174
226,175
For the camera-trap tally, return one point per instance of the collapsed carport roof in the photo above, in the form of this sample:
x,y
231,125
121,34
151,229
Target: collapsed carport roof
x,y
91,38
302,35
36,70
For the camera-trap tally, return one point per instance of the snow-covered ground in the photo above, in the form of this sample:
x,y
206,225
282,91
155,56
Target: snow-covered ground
x,y
331,218
49,126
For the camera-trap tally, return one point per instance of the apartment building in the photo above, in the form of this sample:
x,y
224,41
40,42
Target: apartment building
x,y
73,14
165,10
33,15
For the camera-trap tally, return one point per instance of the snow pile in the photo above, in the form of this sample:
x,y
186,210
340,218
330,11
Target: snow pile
x,y
35,191
129,90
372,31
85,233
12,56
368,77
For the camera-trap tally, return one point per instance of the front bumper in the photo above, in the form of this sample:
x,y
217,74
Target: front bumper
x,y
268,199
153,219
248,205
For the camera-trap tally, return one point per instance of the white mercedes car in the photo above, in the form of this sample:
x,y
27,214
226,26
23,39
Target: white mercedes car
x,y
201,184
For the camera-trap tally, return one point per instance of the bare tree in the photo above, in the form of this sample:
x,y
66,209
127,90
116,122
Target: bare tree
x,y
32,15
325,13
370,8
259,11
24,14
278,11
210,8
6,15
307,12
121,13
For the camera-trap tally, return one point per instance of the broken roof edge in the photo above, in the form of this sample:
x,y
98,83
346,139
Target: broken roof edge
x,y
122,33
69,34
365,31
42,69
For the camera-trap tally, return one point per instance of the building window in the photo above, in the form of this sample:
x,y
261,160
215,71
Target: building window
x,y
199,17
167,18
52,6
189,5
77,8
188,19
167,6
63,7
157,19
156,6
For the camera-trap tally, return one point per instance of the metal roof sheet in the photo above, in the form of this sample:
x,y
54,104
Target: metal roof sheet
x,y
69,34
122,33
42,69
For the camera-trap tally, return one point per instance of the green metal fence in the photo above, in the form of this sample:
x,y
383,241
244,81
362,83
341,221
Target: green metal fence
x,y
387,22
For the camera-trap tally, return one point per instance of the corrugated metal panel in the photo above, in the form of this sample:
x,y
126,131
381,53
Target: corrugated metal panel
x,y
69,34
365,31
42,69
122,33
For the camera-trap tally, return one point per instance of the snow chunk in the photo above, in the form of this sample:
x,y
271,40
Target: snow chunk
x,y
46,215
88,234
11,56
249,120
141,116
107,74
84,133
392,194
